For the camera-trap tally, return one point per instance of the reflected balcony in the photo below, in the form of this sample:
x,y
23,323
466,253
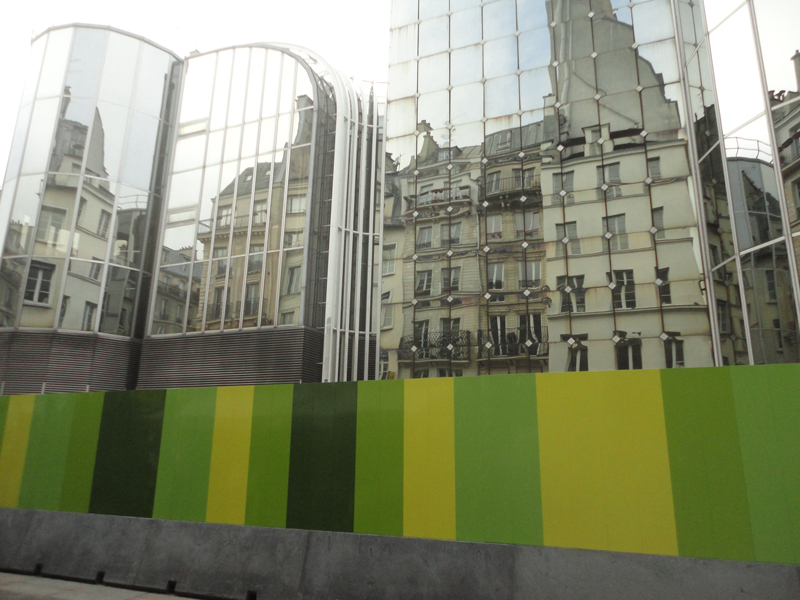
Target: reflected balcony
x,y
438,345
172,290
444,195
512,343
496,188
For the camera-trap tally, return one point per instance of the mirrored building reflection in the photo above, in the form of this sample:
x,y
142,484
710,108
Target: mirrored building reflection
x,y
82,201
578,185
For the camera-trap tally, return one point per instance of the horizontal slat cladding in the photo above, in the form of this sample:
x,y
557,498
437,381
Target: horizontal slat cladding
x,y
61,362
280,355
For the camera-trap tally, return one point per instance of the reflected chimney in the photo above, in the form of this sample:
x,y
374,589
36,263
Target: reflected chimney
x,y
796,59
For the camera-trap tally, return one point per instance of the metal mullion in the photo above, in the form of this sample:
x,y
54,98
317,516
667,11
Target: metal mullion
x,y
716,343
286,173
360,209
43,185
380,208
312,184
792,258
371,323
351,209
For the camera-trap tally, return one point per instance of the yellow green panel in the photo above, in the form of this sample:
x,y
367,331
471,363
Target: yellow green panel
x,y
429,472
605,462
15,447
230,456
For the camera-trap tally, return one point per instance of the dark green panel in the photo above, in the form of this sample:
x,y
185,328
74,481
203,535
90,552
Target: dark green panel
x,y
3,414
379,458
79,468
48,443
127,453
498,481
184,461
270,447
711,509
323,456
768,411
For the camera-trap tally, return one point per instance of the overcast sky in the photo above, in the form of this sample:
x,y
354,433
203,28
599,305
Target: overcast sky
x,y
353,35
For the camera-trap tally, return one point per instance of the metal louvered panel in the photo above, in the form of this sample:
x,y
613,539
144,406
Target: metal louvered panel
x,y
280,355
33,362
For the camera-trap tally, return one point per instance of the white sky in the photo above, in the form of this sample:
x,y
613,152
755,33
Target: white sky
x,y
352,35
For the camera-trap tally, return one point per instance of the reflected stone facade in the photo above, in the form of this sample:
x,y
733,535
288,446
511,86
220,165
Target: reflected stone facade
x,y
562,192
132,240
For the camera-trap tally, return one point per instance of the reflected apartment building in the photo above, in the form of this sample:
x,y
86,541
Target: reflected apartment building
x,y
561,195
170,221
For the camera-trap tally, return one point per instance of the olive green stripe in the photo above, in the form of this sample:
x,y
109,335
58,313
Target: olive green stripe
x,y
79,466
768,414
126,466
3,413
498,482
46,459
270,444
184,458
379,458
710,497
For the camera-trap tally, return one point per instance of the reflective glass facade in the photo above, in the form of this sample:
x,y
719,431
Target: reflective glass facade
x,y
82,191
570,188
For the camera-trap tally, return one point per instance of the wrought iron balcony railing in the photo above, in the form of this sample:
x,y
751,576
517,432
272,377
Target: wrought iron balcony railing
x,y
437,345
512,342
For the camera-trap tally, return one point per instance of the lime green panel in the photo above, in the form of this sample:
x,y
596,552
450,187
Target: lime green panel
x,y
711,510
79,467
48,444
379,458
498,484
185,456
270,443
768,412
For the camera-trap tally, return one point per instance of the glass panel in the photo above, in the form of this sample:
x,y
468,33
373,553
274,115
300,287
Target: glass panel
x,y
178,244
466,65
500,57
151,81
141,150
119,69
12,286
222,82
216,294
233,138
197,88
664,59
255,83
652,21
401,118
18,141
189,153
184,188
467,103
287,84
531,14
255,264
271,83
499,19
105,146
755,200
433,8
80,304
433,36
403,44
214,151
536,86
95,210
207,202
55,216
171,299
266,142
119,302
40,136
502,96
534,49
466,28
33,69
83,73
433,73
270,289
404,12
51,80
41,294
434,108
238,86
291,284
196,284
20,231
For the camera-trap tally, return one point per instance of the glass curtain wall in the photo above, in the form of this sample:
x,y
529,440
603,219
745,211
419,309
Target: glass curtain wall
x,y
82,189
559,195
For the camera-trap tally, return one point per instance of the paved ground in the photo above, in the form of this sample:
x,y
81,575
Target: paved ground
x,y
23,587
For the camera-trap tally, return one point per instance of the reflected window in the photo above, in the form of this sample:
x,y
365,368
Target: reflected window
x,y
495,276
569,232
63,311
424,238
451,234
527,223
493,182
573,296
389,256
563,182
772,289
658,222
51,223
578,359
296,204
293,280
615,225
723,316
624,292
530,274
609,176
423,285
654,167
287,318
673,352
259,213
664,290
629,356
104,223
524,178
451,279
89,310
37,288
494,227
421,374
387,315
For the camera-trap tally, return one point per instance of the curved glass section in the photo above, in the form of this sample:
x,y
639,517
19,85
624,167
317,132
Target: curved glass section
x,y
82,193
